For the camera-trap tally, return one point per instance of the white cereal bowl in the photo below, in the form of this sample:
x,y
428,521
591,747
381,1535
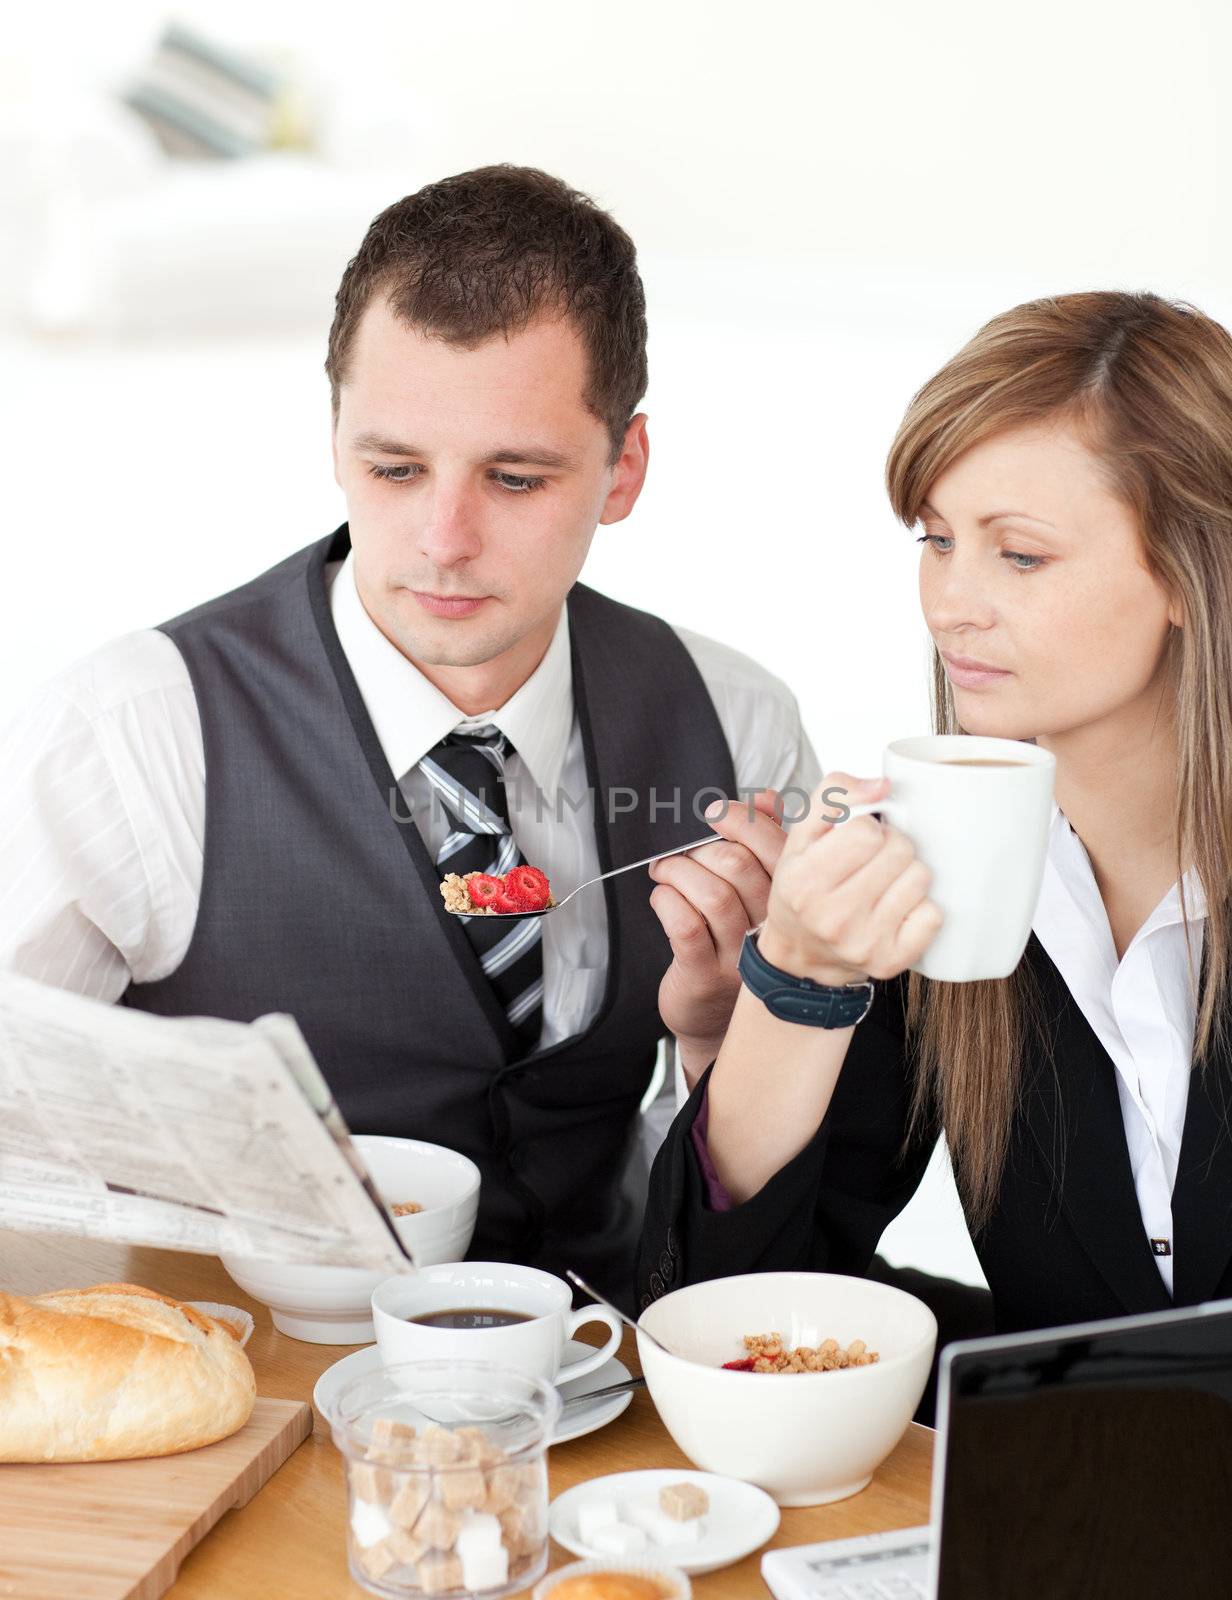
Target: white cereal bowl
x,y
806,1438
333,1305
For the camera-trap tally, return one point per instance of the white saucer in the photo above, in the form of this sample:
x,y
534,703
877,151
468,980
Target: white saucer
x,y
741,1517
572,1425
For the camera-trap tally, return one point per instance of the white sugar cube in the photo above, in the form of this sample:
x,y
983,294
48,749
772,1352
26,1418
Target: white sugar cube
x,y
592,1515
667,1531
661,1528
480,1532
619,1540
483,1568
369,1523
639,1512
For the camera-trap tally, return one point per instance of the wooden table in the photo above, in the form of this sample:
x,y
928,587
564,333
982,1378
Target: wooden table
x,y
291,1538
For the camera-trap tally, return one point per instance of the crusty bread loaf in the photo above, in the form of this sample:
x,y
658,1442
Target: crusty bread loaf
x,y
115,1371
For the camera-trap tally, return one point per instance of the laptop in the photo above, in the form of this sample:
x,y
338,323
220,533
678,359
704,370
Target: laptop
x,y
1092,1462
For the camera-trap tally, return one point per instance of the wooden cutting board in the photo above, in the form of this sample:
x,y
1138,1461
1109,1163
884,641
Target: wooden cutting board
x,y
118,1530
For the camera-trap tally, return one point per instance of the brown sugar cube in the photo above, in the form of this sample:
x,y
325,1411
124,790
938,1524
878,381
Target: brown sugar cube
x,y
391,1442
438,1447
413,1495
408,1547
439,1571
521,1480
519,1534
520,1564
372,1483
683,1501
478,1447
377,1559
502,1493
438,1526
385,1429
463,1488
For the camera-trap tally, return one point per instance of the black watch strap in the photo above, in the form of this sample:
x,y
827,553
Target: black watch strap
x,y
816,1005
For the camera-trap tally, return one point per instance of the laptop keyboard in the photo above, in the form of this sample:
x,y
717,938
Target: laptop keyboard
x,y
892,1586
879,1566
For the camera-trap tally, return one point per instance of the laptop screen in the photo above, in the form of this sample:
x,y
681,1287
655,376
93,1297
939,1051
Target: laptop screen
x,y
1097,1465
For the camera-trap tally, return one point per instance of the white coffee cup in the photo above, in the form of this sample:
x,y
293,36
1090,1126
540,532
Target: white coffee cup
x,y
982,831
536,1346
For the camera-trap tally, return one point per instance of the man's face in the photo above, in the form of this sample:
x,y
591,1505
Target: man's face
x,y
474,480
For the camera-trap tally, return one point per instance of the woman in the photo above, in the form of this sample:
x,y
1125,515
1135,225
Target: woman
x,y
1070,472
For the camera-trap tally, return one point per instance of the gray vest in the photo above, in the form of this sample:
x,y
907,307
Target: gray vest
x,y
319,898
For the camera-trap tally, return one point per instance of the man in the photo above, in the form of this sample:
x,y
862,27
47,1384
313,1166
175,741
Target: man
x,y
251,807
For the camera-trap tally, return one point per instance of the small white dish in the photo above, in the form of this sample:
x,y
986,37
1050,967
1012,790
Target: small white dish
x,y
575,1422
741,1517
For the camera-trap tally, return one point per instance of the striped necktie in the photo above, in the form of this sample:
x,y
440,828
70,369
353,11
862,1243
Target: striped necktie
x,y
467,774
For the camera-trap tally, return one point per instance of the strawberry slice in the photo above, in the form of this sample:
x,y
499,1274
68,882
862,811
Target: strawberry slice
x,y
739,1366
541,878
504,901
527,888
485,891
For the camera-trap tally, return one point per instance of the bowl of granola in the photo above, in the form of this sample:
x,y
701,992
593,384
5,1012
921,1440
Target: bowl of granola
x,y
432,1193
799,1382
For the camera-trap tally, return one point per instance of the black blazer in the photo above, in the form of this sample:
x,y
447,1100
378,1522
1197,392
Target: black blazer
x,y
1066,1241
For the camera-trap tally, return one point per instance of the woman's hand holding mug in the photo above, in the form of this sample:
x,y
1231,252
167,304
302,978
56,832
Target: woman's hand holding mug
x,y
849,900
853,898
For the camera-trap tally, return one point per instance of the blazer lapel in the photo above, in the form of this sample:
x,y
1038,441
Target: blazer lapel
x,y
1202,1197
1075,1117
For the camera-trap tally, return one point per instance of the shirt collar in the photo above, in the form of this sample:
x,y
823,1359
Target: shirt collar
x,y
411,715
1068,855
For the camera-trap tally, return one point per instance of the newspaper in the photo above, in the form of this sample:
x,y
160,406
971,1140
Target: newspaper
x,y
190,1133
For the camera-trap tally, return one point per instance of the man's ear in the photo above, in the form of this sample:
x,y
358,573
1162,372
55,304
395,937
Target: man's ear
x,y
629,473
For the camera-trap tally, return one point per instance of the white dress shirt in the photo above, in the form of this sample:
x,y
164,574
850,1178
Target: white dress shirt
x,y
1141,1008
103,809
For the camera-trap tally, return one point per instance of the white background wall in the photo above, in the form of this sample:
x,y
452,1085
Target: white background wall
x,y
827,199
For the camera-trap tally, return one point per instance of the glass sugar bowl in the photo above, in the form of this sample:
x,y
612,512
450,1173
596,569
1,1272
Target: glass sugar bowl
x,y
447,1486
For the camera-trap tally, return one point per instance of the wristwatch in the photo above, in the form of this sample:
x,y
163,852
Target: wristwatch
x,y
816,1005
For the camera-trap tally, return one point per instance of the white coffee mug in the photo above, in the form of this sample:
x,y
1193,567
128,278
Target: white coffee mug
x,y
982,831
535,1346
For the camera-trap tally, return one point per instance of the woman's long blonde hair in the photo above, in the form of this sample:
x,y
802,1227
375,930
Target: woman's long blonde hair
x,y
1148,382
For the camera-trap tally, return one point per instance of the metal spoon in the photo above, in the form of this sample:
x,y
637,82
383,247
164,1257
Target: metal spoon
x,y
451,1409
615,872
605,1393
628,1321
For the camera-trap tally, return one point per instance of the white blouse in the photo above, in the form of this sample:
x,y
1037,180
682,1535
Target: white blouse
x,y
1142,1009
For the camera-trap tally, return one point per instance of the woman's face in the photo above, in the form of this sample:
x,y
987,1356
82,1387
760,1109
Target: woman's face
x,y
1035,588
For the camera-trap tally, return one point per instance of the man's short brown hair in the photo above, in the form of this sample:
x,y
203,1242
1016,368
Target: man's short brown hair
x,y
485,253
